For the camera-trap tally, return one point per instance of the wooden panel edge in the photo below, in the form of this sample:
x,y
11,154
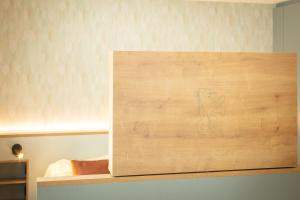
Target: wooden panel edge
x,y
27,179
111,107
287,53
105,178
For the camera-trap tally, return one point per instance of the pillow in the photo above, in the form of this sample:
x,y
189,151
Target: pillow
x,y
89,167
59,168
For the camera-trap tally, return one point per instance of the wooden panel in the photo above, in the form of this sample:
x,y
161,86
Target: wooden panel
x,y
192,112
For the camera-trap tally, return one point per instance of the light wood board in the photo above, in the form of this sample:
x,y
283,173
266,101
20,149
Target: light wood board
x,y
175,112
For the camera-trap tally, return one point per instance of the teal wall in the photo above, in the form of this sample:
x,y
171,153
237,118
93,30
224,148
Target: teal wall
x,y
287,38
262,187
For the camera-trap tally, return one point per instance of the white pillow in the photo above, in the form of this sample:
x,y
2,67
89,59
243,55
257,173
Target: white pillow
x,y
61,167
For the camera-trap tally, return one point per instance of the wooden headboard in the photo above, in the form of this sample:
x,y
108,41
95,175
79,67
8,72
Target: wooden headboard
x,y
175,112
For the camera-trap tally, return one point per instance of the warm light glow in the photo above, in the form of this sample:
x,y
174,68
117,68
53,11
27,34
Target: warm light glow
x,y
20,156
88,126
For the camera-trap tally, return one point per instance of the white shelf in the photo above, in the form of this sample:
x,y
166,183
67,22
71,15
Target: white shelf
x,y
106,178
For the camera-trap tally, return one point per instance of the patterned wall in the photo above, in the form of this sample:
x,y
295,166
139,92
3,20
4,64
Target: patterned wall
x,y
54,53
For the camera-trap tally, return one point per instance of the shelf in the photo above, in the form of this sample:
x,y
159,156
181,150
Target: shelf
x,y
9,134
13,184
12,181
105,178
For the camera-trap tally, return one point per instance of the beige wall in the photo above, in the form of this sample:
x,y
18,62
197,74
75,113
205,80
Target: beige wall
x,y
54,55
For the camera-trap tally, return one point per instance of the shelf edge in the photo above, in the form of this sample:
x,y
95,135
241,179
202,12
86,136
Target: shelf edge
x,y
12,181
105,178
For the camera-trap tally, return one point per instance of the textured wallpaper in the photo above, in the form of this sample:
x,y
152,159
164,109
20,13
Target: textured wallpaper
x,y
54,53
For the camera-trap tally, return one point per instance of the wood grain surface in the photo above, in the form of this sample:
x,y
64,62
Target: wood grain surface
x,y
175,112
